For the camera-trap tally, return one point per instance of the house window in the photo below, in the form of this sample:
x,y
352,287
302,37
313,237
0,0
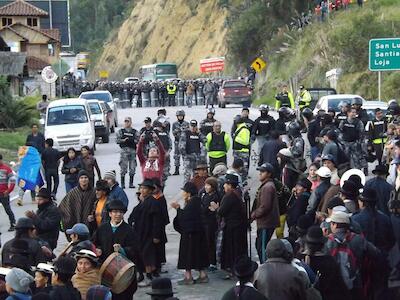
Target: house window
x,y
6,21
32,22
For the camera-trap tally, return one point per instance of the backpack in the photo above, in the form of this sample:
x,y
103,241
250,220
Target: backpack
x,y
345,258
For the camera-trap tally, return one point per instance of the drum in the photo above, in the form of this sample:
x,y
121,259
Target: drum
x,y
117,272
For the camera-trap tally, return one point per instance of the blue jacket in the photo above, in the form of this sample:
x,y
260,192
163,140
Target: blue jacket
x,y
19,296
383,190
117,193
376,227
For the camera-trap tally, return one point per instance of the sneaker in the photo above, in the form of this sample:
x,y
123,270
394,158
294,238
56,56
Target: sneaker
x,y
146,282
12,228
202,280
186,281
19,202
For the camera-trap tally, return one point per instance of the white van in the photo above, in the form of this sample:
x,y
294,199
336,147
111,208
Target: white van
x,y
69,124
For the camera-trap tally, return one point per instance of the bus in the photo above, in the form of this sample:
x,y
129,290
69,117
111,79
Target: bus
x,y
156,72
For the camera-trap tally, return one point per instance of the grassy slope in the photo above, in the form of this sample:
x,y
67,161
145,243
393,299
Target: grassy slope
x,y
341,43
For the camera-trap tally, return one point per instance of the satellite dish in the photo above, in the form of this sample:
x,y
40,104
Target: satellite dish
x,y
48,75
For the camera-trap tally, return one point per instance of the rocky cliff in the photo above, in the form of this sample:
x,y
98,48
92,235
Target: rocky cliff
x,y
179,31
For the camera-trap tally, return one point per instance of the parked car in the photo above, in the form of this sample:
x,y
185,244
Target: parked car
x,y
101,125
103,96
70,124
332,101
234,92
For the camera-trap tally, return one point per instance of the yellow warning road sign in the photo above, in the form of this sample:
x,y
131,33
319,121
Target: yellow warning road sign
x,y
258,64
103,74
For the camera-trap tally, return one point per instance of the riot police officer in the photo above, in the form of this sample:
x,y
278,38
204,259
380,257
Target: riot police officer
x,y
393,111
377,129
304,98
177,128
344,107
127,139
263,125
296,140
362,114
162,132
352,130
171,90
191,146
284,99
162,118
206,125
244,115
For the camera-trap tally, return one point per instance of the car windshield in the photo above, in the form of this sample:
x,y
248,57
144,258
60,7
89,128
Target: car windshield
x,y
334,103
98,96
95,108
70,114
234,84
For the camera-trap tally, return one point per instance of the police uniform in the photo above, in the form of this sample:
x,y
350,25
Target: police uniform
x,y
284,99
352,138
340,117
262,128
128,152
377,136
217,146
304,99
241,147
167,143
177,128
171,90
190,146
206,125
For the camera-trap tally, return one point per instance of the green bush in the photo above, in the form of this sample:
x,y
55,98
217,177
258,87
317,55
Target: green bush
x,y
13,113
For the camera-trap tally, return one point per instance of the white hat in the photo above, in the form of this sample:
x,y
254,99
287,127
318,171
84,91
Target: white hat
x,y
324,172
286,152
340,217
339,208
42,267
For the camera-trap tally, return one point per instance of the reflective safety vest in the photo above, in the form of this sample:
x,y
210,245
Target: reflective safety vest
x,y
241,139
171,89
305,99
217,145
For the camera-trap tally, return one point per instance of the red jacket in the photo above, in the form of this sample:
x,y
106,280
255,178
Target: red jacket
x,y
7,179
151,168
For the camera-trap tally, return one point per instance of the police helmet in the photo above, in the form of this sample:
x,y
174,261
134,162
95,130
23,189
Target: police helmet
x,y
211,110
294,129
343,104
301,87
180,112
356,101
392,101
264,108
307,113
394,108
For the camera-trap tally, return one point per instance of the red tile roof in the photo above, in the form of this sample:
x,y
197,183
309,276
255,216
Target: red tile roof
x,y
35,63
21,8
53,33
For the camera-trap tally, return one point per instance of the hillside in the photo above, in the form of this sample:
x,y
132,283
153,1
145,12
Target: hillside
x,y
179,31
304,57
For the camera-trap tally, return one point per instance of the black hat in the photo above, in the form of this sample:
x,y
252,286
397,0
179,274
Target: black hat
x,y
190,188
315,235
65,265
305,183
161,287
19,246
83,173
43,193
368,195
147,183
25,223
232,179
266,167
116,205
349,189
380,170
244,267
356,180
102,185
335,201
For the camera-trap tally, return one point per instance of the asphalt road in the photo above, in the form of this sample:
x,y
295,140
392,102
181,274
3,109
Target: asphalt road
x,y
108,157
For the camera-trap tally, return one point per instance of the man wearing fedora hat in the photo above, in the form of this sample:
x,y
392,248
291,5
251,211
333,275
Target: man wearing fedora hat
x,y
377,229
349,193
46,219
117,236
62,288
244,270
161,289
382,187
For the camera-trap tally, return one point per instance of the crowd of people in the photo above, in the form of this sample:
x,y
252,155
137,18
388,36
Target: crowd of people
x,y
324,7
342,238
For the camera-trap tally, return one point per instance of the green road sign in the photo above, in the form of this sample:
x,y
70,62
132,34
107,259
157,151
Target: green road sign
x,y
384,54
